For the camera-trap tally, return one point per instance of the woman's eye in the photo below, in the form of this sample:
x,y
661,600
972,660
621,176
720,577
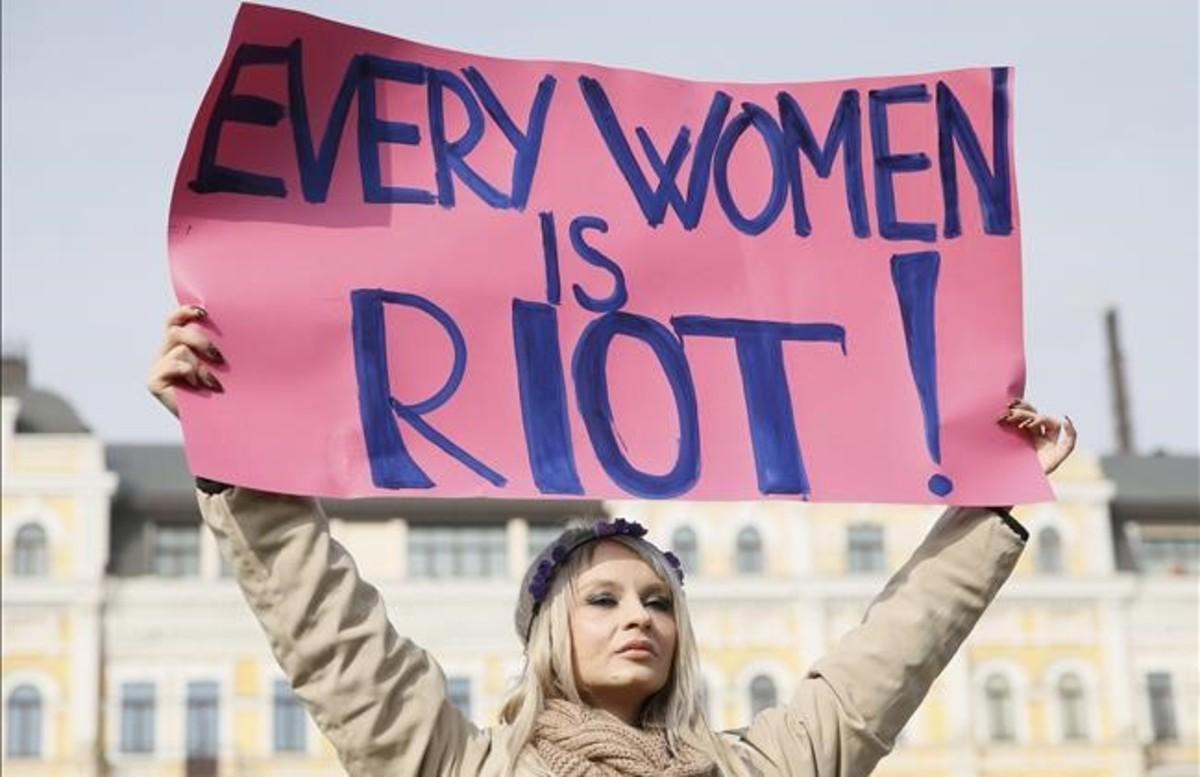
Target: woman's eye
x,y
601,600
662,605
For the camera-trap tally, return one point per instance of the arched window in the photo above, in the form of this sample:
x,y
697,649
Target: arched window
x,y
29,551
999,698
749,552
1071,707
1049,551
24,722
683,545
762,694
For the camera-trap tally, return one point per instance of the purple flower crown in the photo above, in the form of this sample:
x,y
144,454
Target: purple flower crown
x,y
543,576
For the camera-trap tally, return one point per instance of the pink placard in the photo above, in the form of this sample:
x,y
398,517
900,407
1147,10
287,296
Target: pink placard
x,y
436,273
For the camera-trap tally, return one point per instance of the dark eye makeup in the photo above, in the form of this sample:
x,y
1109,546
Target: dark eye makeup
x,y
605,599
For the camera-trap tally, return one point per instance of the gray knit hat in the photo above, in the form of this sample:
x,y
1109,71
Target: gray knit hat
x,y
535,586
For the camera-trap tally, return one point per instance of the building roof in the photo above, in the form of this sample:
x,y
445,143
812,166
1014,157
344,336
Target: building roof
x,y
41,411
156,478
1160,480
151,476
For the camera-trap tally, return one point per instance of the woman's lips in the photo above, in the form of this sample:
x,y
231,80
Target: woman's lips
x,y
638,649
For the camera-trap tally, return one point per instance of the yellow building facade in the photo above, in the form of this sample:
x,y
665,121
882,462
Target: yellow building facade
x,y
53,547
134,654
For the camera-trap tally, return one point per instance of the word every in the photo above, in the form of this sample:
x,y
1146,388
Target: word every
x,y
786,135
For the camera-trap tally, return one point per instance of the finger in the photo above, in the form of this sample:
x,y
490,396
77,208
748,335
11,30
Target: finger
x,y
1049,427
176,365
183,367
196,340
185,314
1015,415
1021,418
208,378
1069,435
171,371
183,353
1020,404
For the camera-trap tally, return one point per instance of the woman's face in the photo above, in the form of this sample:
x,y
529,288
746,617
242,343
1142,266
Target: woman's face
x,y
622,631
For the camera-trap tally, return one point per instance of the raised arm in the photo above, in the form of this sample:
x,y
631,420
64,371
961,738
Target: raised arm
x,y
380,699
852,703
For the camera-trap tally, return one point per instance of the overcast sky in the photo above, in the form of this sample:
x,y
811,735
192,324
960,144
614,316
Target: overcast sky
x,y
98,98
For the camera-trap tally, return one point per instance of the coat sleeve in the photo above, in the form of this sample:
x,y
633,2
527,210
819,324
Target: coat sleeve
x,y
380,699
853,702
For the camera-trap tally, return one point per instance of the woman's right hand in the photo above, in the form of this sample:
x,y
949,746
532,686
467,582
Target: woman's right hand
x,y
186,356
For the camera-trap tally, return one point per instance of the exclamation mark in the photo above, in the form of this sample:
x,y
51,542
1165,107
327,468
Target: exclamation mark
x,y
915,278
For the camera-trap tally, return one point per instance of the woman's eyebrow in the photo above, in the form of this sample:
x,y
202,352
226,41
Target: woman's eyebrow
x,y
657,587
601,582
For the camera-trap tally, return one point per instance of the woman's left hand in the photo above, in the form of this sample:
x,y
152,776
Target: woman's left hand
x,y
1054,439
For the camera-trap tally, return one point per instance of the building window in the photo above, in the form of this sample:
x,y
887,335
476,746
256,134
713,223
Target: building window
x,y
24,722
202,720
1171,555
685,547
176,549
1000,713
289,720
29,551
137,718
1162,707
1049,552
749,552
458,691
457,551
541,535
762,694
864,548
1071,708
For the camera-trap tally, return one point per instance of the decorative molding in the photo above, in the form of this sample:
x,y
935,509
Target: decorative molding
x,y
90,484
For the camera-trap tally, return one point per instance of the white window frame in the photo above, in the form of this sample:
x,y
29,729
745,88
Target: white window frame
x,y
46,556
1091,701
1039,550
1018,683
867,523
1176,710
32,512
51,701
765,563
779,674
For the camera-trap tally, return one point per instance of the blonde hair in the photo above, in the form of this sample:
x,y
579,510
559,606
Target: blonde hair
x,y
549,671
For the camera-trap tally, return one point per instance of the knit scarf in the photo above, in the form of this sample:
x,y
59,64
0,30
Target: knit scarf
x,y
576,741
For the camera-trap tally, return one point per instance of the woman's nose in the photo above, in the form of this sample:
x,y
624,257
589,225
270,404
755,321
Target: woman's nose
x,y
637,615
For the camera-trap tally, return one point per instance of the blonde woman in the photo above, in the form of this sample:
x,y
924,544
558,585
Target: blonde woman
x,y
610,686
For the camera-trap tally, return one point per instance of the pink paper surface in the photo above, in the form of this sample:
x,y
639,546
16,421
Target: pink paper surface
x,y
276,275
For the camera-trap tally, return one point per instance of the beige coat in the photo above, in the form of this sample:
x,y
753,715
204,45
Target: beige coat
x,y
381,700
